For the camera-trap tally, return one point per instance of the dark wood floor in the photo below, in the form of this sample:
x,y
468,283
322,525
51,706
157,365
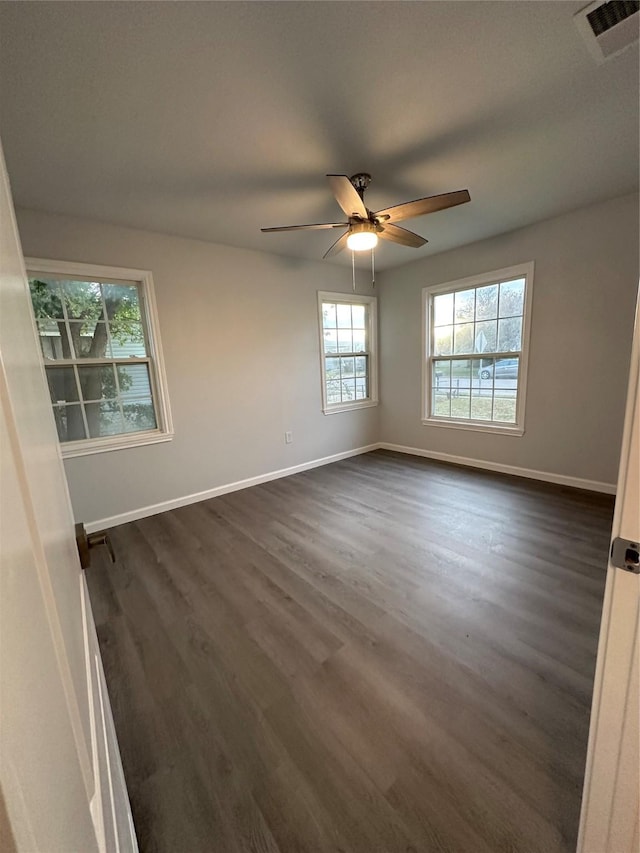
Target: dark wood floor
x,y
385,654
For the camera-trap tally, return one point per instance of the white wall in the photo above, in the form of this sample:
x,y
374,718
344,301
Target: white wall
x,y
241,347
586,278
240,338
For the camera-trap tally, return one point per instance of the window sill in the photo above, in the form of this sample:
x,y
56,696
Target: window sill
x,y
475,426
116,442
349,407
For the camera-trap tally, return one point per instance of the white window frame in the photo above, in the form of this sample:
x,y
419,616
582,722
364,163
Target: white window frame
x,y
157,373
524,270
371,305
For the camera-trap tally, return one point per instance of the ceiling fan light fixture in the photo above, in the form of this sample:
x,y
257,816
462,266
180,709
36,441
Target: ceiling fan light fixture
x,y
362,236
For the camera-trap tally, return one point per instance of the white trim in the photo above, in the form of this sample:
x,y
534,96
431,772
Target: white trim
x,y
514,470
115,442
372,349
72,268
174,503
349,407
108,771
609,814
477,426
524,270
155,357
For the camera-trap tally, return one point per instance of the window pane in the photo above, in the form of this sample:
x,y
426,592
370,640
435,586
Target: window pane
x,y
83,300
333,391
481,404
62,384
358,316
361,366
330,340
97,383
348,388
501,372
441,388
46,298
328,315
127,339
348,366
139,416
344,316
69,422
443,340
359,340
510,334
487,302
440,403
461,374
345,340
463,338
361,388
104,419
504,407
486,336
465,301
123,305
476,365
512,298
90,339
443,309
460,403
332,368
485,370
54,339
441,374
133,380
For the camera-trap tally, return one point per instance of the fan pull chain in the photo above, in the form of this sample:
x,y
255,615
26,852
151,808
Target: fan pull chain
x,y
373,270
353,270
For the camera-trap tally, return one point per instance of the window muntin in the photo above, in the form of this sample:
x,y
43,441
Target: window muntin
x,y
476,347
100,354
347,336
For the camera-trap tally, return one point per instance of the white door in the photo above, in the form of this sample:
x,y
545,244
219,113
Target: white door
x,y
61,781
611,799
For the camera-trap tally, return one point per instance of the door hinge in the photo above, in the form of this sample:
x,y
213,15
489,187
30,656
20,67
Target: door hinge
x,y
625,554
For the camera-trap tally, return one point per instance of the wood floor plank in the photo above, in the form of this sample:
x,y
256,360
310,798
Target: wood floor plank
x,y
384,654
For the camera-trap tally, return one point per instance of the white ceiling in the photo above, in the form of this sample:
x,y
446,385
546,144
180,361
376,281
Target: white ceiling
x,y
212,119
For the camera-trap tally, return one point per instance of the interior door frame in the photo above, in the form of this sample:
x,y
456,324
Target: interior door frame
x,y
609,816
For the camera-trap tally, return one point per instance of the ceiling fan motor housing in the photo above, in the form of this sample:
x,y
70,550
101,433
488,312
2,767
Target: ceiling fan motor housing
x,y
359,227
360,181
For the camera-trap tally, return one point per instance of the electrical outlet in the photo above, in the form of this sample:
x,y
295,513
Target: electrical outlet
x,y
288,437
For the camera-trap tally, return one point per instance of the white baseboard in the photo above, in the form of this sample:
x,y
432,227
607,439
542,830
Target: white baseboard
x,y
560,479
154,509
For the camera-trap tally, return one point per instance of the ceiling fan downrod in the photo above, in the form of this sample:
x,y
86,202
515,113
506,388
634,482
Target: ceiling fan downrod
x,y
360,181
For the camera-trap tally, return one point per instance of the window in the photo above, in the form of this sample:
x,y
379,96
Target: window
x,y
99,338
476,347
348,351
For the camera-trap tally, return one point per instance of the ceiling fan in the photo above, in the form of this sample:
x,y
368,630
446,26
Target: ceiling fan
x,y
364,226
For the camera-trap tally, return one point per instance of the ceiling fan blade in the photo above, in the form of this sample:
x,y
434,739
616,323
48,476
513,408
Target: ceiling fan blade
x,y
307,227
338,246
401,235
421,206
347,197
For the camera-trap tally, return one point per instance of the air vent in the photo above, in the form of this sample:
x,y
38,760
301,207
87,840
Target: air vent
x,y
609,28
